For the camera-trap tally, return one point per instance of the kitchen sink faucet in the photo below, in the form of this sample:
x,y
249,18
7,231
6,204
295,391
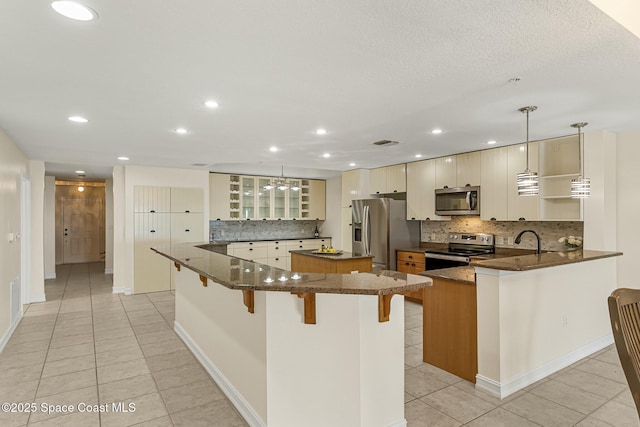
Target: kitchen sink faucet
x,y
519,238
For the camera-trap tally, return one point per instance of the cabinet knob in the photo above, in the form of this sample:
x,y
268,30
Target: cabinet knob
x,y
187,211
251,243
446,186
187,230
395,191
217,219
413,217
250,249
294,219
277,248
428,219
406,263
467,185
493,218
410,256
152,211
377,192
264,219
152,231
413,264
349,205
277,259
521,219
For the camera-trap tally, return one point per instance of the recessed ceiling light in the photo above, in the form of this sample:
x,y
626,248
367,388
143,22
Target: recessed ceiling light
x,y
211,104
436,131
123,158
181,131
417,156
273,149
78,119
326,155
74,10
80,172
321,131
352,164
491,142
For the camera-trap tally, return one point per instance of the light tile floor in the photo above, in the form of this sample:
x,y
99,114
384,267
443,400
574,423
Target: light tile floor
x,y
86,345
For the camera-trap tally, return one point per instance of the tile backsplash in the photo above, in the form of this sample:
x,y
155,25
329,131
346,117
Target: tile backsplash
x,y
550,232
262,230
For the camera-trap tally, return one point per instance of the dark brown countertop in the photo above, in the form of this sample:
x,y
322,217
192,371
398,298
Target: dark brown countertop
x,y
337,256
543,260
236,273
273,239
459,274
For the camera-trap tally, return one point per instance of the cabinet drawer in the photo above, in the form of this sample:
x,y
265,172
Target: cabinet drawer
x,y
251,253
410,257
246,245
278,262
280,250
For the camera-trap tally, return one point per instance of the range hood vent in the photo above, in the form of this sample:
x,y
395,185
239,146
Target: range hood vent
x,y
386,143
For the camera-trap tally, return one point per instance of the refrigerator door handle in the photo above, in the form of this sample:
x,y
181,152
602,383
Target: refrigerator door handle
x,y
366,238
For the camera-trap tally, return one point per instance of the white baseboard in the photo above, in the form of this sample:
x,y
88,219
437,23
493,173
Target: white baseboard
x,y
38,298
49,276
9,332
503,390
229,390
121,290
401,423
108,271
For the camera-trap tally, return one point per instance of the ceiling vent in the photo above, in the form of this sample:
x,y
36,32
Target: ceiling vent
x,y
385,143
199,164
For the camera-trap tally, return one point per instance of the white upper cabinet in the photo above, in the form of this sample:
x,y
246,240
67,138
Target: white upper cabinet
x,y
224,196
468,168
493,184
187,200
446,172
378,181
151,199
390,179
421,185
397,178
521,208
355,186
317,195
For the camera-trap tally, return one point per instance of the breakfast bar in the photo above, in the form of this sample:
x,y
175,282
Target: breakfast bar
x,y
291,348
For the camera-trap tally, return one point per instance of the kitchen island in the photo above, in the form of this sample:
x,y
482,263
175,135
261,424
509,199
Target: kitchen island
x,y
293,348
536,313
343,262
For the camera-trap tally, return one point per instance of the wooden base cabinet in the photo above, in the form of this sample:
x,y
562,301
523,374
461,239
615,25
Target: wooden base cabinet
x,y
451,328
413,263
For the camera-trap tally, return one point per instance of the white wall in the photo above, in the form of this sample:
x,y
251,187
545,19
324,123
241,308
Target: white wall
x,y
13,165
36,286
49,221
628,207
108,226
124,181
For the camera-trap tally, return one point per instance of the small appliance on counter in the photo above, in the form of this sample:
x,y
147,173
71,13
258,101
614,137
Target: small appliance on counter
x,y
462,246
379,227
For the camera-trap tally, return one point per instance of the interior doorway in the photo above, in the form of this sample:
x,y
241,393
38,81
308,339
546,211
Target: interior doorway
x,y
80,222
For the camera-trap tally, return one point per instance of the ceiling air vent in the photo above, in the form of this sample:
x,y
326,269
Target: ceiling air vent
x,y
199,164
385,143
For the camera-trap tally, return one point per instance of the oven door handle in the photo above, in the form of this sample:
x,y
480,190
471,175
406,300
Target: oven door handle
x,y
457,258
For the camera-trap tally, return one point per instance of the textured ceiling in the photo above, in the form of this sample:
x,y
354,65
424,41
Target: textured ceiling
x,y
364,70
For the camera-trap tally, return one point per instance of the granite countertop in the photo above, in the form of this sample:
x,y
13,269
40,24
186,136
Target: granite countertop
x,y
236,273
543,260
464,274
226,242
340,256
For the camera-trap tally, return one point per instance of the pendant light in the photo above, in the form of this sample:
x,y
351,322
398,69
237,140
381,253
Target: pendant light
x,y
281,183
580,186
527,180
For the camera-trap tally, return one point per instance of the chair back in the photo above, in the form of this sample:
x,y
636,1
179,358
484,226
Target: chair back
x,y
624,311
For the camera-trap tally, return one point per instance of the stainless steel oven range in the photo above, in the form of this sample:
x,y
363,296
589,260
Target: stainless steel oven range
x,y
462,246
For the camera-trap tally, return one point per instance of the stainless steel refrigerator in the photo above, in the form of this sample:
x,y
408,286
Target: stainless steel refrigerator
x,y
379,227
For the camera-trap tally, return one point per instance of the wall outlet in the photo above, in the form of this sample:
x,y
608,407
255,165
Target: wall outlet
x,y
433,236
510,241
565,321
499,240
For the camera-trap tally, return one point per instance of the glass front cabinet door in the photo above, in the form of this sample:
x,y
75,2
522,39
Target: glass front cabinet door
x,y
248,197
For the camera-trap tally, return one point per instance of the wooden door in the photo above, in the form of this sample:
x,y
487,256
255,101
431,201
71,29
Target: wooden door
x,y
82,225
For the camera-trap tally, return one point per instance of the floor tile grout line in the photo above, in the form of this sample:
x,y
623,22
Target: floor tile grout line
x,y
145,358
35,396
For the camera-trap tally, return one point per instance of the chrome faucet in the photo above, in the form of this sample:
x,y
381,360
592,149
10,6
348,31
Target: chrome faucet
x,y
519,238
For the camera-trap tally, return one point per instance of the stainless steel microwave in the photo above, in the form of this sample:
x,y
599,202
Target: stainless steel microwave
x,y
458,201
